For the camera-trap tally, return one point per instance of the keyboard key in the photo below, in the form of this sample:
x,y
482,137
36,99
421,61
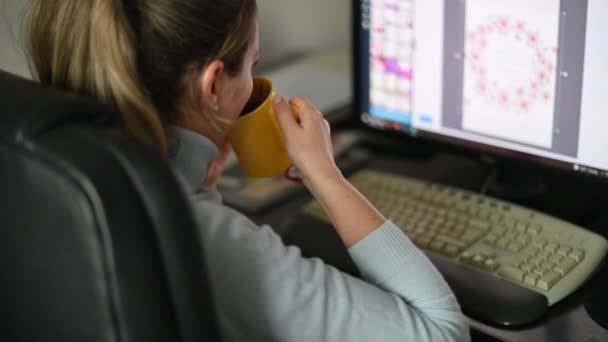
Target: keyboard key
x,y
531,279
545,254
459,228
452,241
462,220
510,223
552,246
536,260
565,266
528,267
478,260
436,246
449,203
484,214
427,197
518,261
535,229
451,216
467,257
540,270
548,280
444,231
427,221
502,243
437,200
577,254
471,236
490,265
479,224
424,241
453,235
515,247
496,217
556,258
463,206
524,239
451,251
528,253
512,273
473,210
489,255
491,238
550,263
419,231
521,227
441,213
535,250
541,243
413,236
501,229
564,250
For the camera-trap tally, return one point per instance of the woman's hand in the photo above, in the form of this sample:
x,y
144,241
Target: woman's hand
x,y
309,146
308,139
216,168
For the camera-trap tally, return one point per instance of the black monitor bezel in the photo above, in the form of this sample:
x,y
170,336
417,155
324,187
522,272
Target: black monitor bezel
x,y
440,141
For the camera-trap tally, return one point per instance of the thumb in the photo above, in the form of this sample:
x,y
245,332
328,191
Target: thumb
x,y
284,114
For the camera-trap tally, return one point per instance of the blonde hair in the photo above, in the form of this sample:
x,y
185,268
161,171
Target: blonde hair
x,y
138,57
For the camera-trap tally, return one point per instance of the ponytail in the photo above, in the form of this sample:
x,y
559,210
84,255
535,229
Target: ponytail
x,y
88,47
144,60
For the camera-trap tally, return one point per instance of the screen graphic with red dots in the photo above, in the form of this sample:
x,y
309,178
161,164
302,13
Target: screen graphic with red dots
x,y
511,69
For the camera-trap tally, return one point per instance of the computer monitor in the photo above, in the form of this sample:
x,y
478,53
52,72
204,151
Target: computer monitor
x,y
516,78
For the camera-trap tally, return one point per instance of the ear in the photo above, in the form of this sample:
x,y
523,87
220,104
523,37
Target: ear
x,y
210,83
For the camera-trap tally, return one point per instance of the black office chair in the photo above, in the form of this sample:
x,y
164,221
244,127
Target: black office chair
x,y
97,241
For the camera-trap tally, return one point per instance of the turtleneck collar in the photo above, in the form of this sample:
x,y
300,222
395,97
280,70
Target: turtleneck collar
x,y
190,154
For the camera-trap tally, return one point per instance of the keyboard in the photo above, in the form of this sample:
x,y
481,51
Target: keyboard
x,y
497,256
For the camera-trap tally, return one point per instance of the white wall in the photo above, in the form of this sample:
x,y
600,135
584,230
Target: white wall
x,y
293,27
12,58
287,28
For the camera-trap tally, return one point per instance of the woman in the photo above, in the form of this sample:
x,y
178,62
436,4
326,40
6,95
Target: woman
x,y
179,74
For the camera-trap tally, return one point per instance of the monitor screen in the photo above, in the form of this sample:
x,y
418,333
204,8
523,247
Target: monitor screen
x,y
519,78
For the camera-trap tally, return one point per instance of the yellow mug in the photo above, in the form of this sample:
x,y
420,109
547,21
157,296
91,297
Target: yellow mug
x,y
257,138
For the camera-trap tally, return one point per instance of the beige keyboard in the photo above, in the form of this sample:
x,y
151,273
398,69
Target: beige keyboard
x,y
523,246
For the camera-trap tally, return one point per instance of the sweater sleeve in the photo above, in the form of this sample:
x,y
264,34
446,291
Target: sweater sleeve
x,y
389,260
266,291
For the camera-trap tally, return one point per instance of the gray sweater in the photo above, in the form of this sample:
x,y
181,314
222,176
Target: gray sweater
x,y
266,291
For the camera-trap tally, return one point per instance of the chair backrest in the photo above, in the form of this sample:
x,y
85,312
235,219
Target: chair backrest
x,y
98,242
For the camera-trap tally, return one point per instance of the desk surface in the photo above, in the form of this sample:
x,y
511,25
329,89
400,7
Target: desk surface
x,y
566,321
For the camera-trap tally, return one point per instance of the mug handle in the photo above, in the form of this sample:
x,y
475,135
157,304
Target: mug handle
x,y
293,175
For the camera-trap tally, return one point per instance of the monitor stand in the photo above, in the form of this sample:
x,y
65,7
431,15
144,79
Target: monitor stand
x,y
516,183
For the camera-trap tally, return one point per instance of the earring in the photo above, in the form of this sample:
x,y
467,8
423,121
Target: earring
x,y
216,108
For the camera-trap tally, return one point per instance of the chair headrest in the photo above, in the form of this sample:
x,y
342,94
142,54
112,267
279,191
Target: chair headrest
x,y
29,109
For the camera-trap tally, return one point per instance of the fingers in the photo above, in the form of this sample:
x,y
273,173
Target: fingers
x,y
284,114
327,126
304,104
309,114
